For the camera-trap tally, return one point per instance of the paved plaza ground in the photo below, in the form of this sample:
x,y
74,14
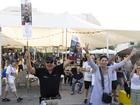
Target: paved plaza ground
x,y
30,97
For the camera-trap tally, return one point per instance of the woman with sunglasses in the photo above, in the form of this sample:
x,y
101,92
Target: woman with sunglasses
x,y
135,84
49,78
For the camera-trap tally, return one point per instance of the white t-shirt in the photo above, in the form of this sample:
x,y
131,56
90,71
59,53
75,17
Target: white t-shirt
x,y
114,75
87,74
11,71
135,81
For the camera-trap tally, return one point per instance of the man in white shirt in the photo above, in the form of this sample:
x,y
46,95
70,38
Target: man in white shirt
x,y
88,78
10,82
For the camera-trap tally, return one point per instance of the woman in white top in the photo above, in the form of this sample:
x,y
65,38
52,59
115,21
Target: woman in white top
x,y
107,71
135,84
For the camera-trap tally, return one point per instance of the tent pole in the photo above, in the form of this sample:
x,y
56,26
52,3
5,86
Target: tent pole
x,y
0,61
107,43
66,41
62,44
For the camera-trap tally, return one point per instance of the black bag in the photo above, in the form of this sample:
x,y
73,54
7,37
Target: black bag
x,y
106,97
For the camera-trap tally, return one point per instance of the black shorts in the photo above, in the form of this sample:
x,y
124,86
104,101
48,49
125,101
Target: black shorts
x,y
20,67
87,84
114,84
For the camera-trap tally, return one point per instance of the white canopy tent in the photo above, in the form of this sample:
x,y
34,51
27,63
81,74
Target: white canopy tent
x,y
12,17
10,42
48,29
103,51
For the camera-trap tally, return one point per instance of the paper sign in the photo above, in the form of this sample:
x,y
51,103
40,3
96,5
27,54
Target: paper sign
x,y
26,17
75,48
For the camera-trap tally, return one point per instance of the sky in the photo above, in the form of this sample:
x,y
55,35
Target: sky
x,y
119,14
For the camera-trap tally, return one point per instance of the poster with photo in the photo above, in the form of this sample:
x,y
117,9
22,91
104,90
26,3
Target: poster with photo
x,y
26,12
26,17
75,48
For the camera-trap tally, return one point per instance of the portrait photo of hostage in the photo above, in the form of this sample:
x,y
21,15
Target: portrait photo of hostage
x,y
75,50
78,50
26,13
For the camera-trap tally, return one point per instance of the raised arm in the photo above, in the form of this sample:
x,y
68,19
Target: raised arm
x,y
133,52
120,64
133,71
92,64
30,68
90,59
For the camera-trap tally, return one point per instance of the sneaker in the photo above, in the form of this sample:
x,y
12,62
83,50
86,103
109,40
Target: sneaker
x,y
79,92
85,101
19,99
6,100
115,99
72,93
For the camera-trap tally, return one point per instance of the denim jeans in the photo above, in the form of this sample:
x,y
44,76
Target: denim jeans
x,y
74,82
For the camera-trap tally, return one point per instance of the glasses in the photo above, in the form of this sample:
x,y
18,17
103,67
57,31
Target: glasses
x,y
49,62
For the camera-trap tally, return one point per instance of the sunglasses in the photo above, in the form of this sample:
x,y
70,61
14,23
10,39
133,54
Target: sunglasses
x,y
49,62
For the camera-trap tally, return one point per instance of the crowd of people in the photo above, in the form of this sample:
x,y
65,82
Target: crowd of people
x,y
95,76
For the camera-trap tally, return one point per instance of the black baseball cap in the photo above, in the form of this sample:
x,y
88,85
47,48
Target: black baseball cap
x,y
49,59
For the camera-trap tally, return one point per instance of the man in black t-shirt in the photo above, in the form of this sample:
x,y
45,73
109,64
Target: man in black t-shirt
x,y
49,78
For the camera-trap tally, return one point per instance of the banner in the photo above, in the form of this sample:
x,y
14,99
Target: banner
x,y
26,17
75,49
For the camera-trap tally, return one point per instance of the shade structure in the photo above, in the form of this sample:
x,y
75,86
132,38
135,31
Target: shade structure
x,y
40,37
64,20
12,17
55,37
123,35
9,42
103,51
48,30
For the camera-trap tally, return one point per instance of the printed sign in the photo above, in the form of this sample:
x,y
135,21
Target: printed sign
x,y
75,48
26,17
